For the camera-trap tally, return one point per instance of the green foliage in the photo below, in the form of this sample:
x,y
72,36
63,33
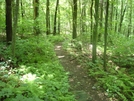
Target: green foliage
x,y
38,77
117,83
123,50
56,39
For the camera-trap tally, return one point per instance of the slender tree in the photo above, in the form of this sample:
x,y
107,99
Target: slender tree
x,y
105,35
130,19
83,16
8,21
59,20
111,14
15,20
22,16
74,19
47,17
116,16
91,15
55,17
122,15
95,31
36,15
101,20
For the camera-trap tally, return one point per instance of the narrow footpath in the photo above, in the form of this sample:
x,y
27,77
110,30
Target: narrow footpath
x,y
80,84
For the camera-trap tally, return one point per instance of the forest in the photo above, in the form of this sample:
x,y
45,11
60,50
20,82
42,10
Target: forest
x,y
66,50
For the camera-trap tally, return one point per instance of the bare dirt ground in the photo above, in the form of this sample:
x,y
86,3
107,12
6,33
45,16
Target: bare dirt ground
x,y
81,84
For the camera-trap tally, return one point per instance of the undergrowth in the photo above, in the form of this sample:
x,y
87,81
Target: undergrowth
x,y
35,74
117,83
118,80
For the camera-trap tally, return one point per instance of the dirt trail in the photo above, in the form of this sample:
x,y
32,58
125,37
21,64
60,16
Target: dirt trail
x,y
80,83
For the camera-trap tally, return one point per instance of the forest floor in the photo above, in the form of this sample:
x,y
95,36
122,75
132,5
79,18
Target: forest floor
x,y
81,85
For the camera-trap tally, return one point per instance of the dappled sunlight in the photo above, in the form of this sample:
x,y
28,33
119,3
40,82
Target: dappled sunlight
x,y
61,56
58,47
28,77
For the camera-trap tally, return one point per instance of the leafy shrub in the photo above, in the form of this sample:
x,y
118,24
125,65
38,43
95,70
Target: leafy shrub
x,y
116,83
38,77
123,50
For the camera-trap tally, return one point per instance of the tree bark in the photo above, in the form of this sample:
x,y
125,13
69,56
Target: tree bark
x,y
36,15
130,19
95,32
101,20
59,21
91,14
15,19
55,17
47,18
105,36
8,21
122,16
74,19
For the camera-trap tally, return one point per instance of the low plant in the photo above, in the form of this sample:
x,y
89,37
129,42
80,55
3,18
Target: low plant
x,y
38,75
117,83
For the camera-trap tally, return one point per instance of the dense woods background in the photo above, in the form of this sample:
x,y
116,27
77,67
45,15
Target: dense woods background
x,y
102,28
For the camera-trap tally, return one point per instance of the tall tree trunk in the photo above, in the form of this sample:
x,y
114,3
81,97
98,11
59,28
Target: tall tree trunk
x,y
59,21
91,14
130,19
111,14
36,15
15,19
122,15
22,17
8,21
74,19
101,20
83,16
105,35
47,17
116,17
95,31
55,17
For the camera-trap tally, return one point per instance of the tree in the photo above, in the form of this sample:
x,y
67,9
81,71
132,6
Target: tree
x,y
105,35
8,21
59,21
22,14
95,32
74,19
36,15
15,20
130,19
101,20
91,15
83,16
55,17
122,15
47,18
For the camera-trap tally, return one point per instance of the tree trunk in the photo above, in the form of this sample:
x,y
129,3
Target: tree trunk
x,y
55,17
122,16
15,19
95,31
36,15
101,20
74,19
130,19
8,21
22,17
83,16
59,21
91,14
47,18
105,36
